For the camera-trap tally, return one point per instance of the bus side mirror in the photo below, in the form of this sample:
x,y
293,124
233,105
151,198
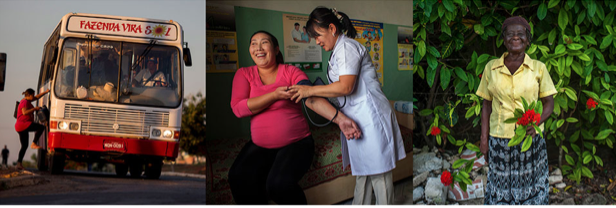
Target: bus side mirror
x,y
187,58
2,70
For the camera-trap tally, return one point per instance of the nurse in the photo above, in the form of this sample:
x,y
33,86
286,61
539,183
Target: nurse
x,y
354,82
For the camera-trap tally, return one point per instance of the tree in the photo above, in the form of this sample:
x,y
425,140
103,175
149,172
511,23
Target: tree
x,y
192,137
576,40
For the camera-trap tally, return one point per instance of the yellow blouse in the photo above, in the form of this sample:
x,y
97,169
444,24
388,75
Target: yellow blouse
x,y
531,81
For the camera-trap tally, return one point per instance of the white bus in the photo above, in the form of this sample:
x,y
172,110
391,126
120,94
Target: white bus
x,y
116,93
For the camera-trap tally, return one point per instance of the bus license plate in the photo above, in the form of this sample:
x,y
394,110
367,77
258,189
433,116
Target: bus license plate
x,y
111,145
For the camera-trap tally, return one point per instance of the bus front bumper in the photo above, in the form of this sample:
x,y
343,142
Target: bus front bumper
x,y
144,147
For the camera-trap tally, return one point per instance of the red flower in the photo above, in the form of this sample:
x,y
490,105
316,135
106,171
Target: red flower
x,y
480,76
435,131
591,103
446,178
528,117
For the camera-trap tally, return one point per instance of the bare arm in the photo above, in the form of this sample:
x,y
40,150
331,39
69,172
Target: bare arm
x,y
486,111
36,97
337,89
26,111
258,104
348,127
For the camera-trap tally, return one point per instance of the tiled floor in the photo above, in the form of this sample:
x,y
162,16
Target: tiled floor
x,y
403,193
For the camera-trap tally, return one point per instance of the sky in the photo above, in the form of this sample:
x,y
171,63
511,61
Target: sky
x,y
25,26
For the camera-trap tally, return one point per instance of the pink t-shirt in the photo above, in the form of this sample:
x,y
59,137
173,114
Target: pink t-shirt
x,y
23,121
282,122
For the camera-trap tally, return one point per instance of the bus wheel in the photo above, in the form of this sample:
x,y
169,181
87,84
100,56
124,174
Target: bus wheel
x,y
136,168
41,160
121,169
56,162
153,169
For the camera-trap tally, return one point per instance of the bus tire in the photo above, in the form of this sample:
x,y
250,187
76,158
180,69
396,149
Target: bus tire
x,y
56,162
136,169
153,169
121,169
41,160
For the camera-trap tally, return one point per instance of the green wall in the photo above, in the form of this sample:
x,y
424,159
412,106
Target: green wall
x,y
221,122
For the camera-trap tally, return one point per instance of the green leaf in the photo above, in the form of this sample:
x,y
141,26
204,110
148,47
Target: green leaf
x,y
478,29
511,120
565,149
445,28
532,49
609,117
422,48
432,62
591,8
461,74
552,36
562,19
598,160
607,40
438,139
575,46
586,172
441,10
576,149
431,76
569,160
603,134
451,139
590,39
560,123
553,3
572,120
432,50
587,159
575,137
425,112
472,147
449,5
542,11
577,30
559,49
571,94
458,163
591,94
601,65
470,112
445,77
483,58
448,48
527,143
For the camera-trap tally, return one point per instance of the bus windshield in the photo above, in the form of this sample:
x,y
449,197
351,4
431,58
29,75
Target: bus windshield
x,y
119,72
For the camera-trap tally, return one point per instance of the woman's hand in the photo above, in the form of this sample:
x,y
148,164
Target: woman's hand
x,y
300,91
530,130
37,108
283,93
348,127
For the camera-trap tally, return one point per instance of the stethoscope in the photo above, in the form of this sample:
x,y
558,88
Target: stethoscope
x,y
330,80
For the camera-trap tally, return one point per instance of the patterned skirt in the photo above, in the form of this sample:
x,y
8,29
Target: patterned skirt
x,y
517,177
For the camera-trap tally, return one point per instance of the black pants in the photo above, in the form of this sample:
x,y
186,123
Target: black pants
x,y
3,161
259,174
24,137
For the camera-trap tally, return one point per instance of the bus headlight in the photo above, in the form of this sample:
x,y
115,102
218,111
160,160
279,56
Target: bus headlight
x,y
63,125
73,126
167,134
156,132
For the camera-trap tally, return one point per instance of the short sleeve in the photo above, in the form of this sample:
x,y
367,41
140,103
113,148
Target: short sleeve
x,y
483,91
296,74
546,85
348,60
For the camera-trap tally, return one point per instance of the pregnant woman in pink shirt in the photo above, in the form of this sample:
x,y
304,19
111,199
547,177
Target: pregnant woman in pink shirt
x,y
281,149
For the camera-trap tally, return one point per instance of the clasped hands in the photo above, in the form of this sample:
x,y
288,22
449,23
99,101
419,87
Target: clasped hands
x,y
297,92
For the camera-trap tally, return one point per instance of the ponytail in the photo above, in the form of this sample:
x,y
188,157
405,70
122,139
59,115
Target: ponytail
x,y
321,17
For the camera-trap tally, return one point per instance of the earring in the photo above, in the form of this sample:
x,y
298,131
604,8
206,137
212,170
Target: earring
x,y
333,35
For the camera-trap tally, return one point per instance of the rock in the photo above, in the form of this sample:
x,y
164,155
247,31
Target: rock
x,y
420,203
434,149
419,179
446,165
416,150
569,201
551,188
418,193
434,191
485,169
436,172
425,149
556,172
426,162
474,174
595,199
561,185
555,179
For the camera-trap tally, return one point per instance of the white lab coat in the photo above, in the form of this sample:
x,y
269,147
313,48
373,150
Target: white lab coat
x,y
380,145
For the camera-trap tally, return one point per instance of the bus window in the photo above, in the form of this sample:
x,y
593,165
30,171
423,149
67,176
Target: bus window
x,y
2,70
66,75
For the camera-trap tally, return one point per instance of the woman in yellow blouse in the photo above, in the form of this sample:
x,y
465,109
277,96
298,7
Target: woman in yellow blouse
x,y
514,177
